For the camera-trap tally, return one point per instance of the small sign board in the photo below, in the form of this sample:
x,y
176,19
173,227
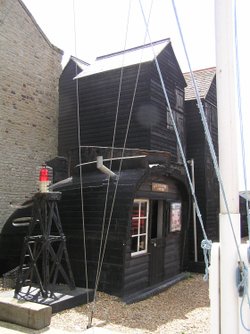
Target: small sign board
x,y
161,187
175,217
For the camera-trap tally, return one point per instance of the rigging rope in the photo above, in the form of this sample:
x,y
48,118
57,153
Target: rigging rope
x,y
120,167
123,150
243,151
103,240
244,282
206,244
80,160
206,130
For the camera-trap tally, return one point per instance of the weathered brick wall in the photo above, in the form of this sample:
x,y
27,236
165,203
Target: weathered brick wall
x,y
29,72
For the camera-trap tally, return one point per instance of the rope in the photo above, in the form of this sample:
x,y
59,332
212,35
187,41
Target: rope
x,y
80,161
243,151
103,240
119,169
243,286
207,242
244,274
207,132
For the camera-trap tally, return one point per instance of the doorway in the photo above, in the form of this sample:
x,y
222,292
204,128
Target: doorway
x,y
165,240
158,227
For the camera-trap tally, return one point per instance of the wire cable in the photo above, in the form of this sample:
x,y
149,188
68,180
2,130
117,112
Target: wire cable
x,y
243,150
206,130
244,281
120,166
80,160
103,240
206,244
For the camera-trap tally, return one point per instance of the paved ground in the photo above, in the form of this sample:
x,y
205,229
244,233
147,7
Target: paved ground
x,y
6,328
180,309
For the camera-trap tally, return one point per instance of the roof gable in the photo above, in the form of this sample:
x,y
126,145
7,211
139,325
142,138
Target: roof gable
x,y
203,79
137,55
74,66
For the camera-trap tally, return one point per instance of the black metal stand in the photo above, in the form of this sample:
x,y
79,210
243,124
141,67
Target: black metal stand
x,y
44,249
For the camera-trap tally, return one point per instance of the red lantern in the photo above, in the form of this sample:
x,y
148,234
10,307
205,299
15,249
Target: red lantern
x,y
44,179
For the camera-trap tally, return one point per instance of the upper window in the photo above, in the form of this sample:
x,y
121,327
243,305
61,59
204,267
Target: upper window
x,y
179,98
169,119
139,227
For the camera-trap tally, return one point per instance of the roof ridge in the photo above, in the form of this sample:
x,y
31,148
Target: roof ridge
x,y
79,60
201,69
133,49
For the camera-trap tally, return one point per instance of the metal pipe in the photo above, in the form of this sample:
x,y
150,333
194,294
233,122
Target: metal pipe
x,y
102,168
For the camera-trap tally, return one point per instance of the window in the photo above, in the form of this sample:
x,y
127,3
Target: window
x,y
179,99
139,227
169,119
180,127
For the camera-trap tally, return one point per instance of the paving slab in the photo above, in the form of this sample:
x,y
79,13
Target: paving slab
x,y
7,328
61,299
24,313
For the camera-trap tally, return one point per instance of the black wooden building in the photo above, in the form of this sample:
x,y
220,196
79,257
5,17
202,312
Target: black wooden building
x,y
206,184
148,234
146,208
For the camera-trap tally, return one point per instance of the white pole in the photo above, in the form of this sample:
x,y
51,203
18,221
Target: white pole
x,y
214,288
224,31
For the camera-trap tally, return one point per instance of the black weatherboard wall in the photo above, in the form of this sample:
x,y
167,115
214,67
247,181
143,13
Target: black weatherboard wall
x,y
143,107
99,95
67,122
150,238
123,274
206,184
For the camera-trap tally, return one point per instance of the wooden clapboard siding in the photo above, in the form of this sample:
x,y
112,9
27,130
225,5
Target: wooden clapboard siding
x,y
98,105
207,190
67,120
136,272
149,129
172,256
162,135
98,101
94,201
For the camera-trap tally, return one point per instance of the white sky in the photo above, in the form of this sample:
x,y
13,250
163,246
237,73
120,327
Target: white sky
x,y
101,29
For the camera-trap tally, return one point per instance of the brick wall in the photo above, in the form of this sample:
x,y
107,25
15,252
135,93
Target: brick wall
x,y
29,70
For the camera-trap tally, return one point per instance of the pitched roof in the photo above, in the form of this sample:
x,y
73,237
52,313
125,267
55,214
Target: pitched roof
x,y
245,195
140,54
203,79
80,63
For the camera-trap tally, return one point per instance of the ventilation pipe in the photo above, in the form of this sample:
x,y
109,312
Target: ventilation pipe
x,y
104,169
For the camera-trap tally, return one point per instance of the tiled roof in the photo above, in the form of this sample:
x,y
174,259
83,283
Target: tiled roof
x,y
203,79
125,58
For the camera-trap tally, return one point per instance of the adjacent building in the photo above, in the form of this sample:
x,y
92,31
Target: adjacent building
x,y
30,67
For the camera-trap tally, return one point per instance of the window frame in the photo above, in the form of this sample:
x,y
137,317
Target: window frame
x,y
138,235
